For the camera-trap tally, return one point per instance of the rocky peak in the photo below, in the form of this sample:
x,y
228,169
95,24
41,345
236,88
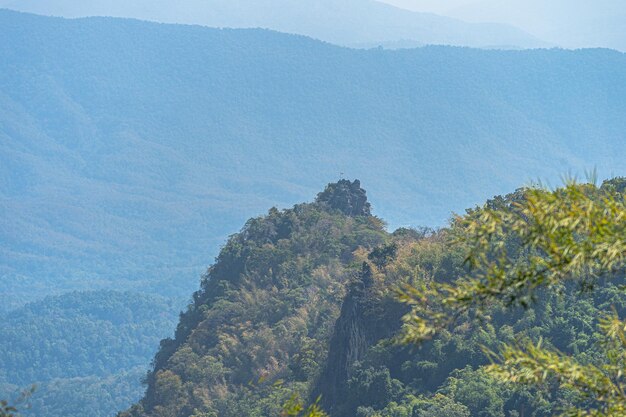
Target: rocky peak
x,y
346,196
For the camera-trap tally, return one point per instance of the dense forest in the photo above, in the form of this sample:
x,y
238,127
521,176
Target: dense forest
x,y
121,163
85,352
306,301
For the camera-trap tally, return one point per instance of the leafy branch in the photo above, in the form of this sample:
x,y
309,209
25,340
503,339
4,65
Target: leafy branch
x,y
576,233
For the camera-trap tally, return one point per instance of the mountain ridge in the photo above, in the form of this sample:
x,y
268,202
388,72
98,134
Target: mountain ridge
x,y
283,273
120,140
341,22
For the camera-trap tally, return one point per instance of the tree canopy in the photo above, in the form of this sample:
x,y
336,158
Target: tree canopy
x,y
541,239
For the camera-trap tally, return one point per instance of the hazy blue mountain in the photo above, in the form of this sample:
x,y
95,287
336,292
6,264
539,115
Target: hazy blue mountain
x,y
572,24
128,150
360,23
86,352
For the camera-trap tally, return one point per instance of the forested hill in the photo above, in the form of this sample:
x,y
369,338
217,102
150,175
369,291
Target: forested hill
x,y
129,150
86,352
304,301
265,310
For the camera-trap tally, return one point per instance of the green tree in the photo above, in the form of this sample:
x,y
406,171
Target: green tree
x,y
543,239
294,408
443,406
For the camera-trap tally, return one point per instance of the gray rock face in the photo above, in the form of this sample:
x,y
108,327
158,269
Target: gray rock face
x,y
347,197
364,320
350,340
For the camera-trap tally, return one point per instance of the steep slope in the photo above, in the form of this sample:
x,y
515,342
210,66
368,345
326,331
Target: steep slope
x,y
343,22
265,310
129,150
305,301
86,352
370,375
364,320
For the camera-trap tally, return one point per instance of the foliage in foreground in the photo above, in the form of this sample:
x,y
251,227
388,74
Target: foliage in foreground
x,y
294,408
546,239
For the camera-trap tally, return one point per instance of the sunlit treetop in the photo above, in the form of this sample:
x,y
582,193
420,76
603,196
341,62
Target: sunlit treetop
x,y
538,238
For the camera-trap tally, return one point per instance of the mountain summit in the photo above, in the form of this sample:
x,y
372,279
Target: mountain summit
x,y
347,197
265,311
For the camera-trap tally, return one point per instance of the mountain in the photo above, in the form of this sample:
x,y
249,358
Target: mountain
x,y
265,309
86,352
565,23
130,150
359,23
303,301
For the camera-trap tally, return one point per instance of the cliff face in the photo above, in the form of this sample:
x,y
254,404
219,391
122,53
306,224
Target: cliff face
x,y
350,340
363,322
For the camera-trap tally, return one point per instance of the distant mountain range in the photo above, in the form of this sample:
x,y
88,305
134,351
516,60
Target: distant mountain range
x,y
569,24
128,150
356,23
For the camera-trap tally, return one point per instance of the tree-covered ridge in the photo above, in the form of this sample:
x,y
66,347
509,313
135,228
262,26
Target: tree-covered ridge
x,y
325,319
93,396
86,352
257,330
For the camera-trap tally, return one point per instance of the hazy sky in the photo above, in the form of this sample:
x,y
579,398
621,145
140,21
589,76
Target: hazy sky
x,y
434,6
570,23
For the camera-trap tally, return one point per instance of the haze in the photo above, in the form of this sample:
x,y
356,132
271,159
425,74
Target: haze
x,y
567,23
509,24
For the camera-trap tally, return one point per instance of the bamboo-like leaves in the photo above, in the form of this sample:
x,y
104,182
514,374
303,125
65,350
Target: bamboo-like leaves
x,y
575,233
294,407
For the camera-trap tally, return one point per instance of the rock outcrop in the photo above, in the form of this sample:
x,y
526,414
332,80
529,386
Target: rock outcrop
x,y
347,197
